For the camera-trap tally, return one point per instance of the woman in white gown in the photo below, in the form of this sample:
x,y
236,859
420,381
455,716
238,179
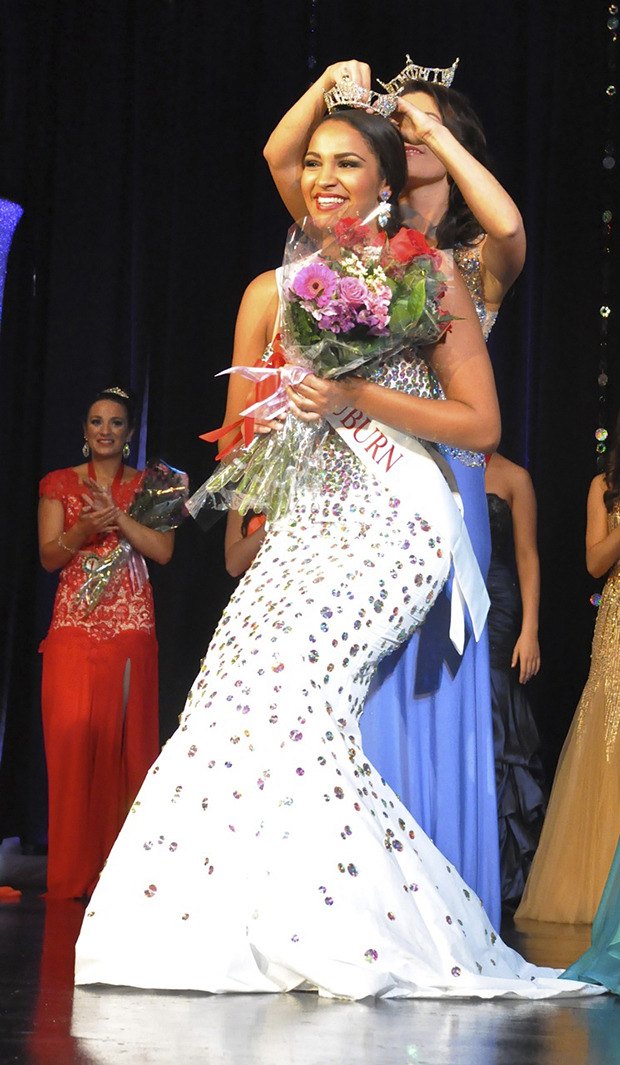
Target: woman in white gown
x,y
264,853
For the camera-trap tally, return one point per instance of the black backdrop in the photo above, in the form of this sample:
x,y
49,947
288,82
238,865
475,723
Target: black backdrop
x,y
132,134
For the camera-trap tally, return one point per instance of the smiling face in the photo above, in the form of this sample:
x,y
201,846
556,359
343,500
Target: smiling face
x,y
107,429
423,167
341,176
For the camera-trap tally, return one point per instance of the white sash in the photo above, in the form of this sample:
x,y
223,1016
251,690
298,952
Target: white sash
x,y
413,473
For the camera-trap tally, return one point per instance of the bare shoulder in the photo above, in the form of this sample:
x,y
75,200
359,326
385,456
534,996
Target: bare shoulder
x,y
597,527
508,479
498,472
262,288
598,486
260,301
499,463
256,320
520,476
511,470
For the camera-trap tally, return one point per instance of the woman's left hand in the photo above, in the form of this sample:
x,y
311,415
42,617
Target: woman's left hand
x,y
414,123
315,397
99,499
526,655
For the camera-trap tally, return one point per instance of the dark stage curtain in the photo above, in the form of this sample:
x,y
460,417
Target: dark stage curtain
x,y
132,134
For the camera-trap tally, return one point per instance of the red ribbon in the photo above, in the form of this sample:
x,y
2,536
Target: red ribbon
x,y
261,391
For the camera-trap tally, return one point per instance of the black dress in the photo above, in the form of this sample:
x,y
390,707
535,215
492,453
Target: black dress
x,y
519,774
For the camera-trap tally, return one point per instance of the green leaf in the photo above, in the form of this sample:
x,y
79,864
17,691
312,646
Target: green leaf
x,y
304,326
417,299
400,317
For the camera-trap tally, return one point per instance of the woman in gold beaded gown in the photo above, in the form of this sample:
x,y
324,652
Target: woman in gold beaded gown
x,y
582,825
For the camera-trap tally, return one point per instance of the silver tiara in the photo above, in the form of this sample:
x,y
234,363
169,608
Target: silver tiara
x,y
412,72
115,391
347,93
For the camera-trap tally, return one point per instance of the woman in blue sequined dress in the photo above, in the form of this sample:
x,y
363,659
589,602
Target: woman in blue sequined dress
x,y
264,853
427,725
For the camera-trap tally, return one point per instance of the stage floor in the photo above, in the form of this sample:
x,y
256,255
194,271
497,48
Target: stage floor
x,y
44,1021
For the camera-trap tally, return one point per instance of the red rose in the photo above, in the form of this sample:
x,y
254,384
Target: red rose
x,y
407,244
350,231
380,239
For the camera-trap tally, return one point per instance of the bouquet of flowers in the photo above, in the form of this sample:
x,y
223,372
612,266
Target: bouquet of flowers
x,y
349,300
158,504
360,297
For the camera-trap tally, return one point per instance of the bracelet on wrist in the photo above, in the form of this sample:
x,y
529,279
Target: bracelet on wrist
x,y
65,547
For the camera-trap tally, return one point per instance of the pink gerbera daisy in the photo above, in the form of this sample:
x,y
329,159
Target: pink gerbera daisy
x,y
314,281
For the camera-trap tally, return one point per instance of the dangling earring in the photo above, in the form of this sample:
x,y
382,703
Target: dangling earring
x,y
126,450
85,449
385,209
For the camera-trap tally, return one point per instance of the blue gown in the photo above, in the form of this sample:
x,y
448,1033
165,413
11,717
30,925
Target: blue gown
x,y
427,723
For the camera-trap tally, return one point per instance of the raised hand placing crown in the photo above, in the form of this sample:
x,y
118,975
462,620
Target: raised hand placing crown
x,y
347,93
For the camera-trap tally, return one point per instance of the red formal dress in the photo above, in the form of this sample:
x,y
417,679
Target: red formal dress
x,y
99,702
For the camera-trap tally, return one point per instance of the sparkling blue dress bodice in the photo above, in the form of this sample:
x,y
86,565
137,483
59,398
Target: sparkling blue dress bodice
x,y
467,258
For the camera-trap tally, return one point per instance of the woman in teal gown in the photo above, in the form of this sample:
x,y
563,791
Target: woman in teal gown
x,y
601,963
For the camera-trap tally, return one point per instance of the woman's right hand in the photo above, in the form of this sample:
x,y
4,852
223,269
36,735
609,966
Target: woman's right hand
x,y
272,425
285,149
97,517
358,72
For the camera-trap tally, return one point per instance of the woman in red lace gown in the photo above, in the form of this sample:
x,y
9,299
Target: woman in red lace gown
x,y
100,680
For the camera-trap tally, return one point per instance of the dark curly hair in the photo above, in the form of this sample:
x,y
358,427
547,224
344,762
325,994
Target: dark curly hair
x,y
458,225
386,144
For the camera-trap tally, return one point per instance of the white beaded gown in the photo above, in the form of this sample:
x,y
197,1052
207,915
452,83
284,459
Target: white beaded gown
x,y
263,852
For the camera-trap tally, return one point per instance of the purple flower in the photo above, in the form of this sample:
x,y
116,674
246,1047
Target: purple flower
x,y
338,316
314,281
353,291
384,293
375,315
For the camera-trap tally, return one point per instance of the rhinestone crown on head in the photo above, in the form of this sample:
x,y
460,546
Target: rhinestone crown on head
x,y
347,93
413,72
115,391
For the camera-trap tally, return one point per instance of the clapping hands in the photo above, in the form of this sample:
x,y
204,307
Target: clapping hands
x,y
99,514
